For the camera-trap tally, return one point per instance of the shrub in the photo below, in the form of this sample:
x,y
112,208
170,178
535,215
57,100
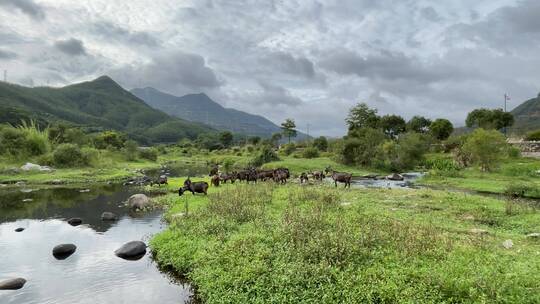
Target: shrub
x,y
533,136
321,143
485,148
36,140
68,155
12,141
149,154
406,153
310,152
130,150
362,147
514,152
288,149
110,140
90,156
265,155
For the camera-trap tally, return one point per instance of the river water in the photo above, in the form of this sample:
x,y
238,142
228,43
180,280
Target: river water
x,y
93,274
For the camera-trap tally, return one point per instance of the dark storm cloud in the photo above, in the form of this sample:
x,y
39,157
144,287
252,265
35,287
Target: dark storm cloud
x,y
111,31
72,47
289,64
29,7
7,54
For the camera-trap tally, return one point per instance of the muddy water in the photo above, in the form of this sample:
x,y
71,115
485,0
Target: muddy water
x,y
93,274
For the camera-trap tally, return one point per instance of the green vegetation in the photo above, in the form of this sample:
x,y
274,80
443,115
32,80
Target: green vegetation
x,y
288,128
533,135
300,244
489,119
97,105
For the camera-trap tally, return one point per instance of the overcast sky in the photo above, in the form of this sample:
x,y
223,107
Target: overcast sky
x,y
309,60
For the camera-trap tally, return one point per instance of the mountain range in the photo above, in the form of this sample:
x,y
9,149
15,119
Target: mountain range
x,y
527,116
100,104
201,108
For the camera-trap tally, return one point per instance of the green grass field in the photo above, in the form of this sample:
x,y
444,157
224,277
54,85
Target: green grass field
x,y
316,244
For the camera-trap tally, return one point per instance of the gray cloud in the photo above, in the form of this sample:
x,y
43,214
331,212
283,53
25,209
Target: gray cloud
x,y
276,95
387,65
176,72
110,31
72,47
28,7
7,54
287,63
429,13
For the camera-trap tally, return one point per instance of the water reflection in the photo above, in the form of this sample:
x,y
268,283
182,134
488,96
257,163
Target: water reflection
x,y
93,274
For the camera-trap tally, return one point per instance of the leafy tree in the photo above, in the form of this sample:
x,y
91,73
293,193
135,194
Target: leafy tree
x,y
321,143
405,153
110,140
254,140
289,128
276,137
489,119
485,147
362,147
392,125
441,128
226,138
361,116
130,150
149,154
419,124
265,155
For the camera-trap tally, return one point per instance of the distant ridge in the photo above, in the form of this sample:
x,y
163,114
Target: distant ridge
x,y
99,104
527,116
201,108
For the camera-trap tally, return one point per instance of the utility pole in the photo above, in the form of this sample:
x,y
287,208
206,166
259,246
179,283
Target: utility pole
x,y
506,98
5,75
307,132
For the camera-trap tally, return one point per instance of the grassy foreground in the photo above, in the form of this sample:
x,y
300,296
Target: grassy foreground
x,y
316,244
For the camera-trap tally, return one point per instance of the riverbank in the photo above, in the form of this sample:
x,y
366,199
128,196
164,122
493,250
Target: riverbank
x,y
305,244
521,174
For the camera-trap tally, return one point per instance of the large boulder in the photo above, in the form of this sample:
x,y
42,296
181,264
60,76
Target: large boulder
x,y
12,284
109,216
75,221
34,167
63,251
139,202
395,177
131,251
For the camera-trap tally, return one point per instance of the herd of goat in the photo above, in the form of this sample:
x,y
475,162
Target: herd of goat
x,y
253,175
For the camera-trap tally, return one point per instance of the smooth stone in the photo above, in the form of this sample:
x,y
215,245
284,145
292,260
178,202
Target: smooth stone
x,y
131,251
395,177
534,235
63,251
74,221
508,244
20,229
12,284
139,202
109,216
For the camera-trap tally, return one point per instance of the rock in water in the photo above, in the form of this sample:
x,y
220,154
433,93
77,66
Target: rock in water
x,y
395,177
12,284
139,202
63,251
109,216
75,221
20,229
131,251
